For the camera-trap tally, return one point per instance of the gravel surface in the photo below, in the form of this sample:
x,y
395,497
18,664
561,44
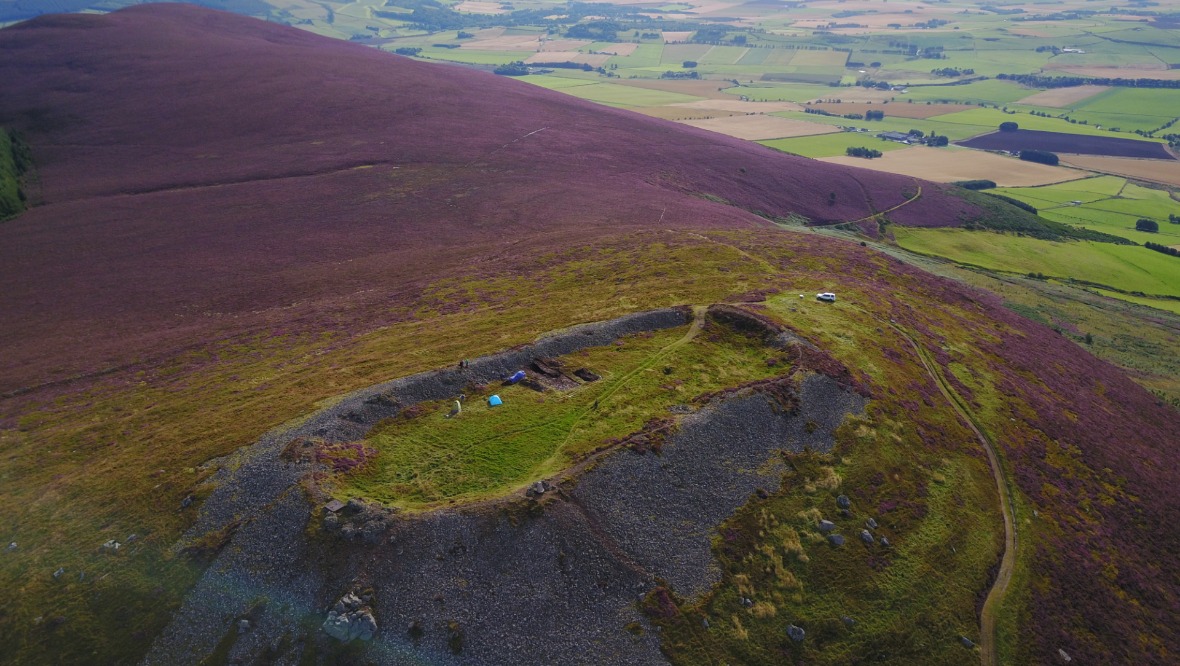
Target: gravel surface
x,y
662,509
553,581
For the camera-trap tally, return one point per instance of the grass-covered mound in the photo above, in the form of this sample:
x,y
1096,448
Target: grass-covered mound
x,y
424,457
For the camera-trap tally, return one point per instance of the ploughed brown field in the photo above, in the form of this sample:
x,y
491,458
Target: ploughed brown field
x,y
1059,142
221,177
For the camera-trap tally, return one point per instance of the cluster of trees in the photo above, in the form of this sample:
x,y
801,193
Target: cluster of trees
x,y
713,34
514,68
1009,127
601,31
1173,218
1040,156
952,71
1144,224
408,50
976,184
1015,202
680,75
874,114
1035,81
1003,12
861,151
936,140
1162,248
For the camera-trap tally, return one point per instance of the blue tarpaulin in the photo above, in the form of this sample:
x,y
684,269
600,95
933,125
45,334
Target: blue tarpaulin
x,y
516,377
495,400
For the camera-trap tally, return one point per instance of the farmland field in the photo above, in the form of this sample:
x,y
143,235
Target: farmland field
x,y
1157,171
1121,267
626,96
993,117
1068,143
1108,204
953,131
830,145
760,127
946,166
894,109
1062,97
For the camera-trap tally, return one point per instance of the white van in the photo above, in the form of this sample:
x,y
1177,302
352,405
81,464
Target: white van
x,y
827,297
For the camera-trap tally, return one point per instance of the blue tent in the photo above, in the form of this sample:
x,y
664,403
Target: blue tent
x,y
495,400
516,377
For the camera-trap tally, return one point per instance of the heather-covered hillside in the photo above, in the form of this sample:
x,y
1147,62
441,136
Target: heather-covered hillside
x,y
253,257
200,171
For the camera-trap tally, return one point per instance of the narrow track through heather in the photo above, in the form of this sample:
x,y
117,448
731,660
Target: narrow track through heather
x,y
995,596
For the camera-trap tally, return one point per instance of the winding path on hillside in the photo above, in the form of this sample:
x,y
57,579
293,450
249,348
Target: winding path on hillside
x,y
995,596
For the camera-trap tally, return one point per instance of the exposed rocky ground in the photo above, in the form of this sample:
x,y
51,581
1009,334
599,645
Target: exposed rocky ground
x,y
552,577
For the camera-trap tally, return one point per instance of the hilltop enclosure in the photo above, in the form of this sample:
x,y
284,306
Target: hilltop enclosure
x,y
235,315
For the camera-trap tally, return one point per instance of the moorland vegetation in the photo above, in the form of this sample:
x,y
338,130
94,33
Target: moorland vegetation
x,y
246,270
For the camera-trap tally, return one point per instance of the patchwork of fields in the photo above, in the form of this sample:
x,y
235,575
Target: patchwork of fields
x,y
823,79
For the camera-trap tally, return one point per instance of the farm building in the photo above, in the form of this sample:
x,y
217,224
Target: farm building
x,y
894,136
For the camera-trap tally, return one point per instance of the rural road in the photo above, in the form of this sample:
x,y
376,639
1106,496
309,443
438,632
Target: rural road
x,y
987,616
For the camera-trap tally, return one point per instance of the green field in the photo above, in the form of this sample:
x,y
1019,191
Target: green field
x,y
992,91
645,55
783,92
993,118
1108,204
492,450
954,131
627,96
558,81
1121,267
831,145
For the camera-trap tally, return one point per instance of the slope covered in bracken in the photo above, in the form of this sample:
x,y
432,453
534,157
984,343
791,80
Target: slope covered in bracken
x,y
199,171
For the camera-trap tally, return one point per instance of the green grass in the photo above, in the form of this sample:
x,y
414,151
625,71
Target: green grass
x,y
1123,267
830,145
486,451
10,199
474,57
627,96
954,131
783,92
558,81
993,117
1167,304
910,601
1109,204
645,55
991,91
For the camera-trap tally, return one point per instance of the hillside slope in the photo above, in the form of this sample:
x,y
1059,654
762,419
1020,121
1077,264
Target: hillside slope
x,y
200,171
239,228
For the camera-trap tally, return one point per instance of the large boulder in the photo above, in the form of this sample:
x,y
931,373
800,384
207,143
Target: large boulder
x,y
350,619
